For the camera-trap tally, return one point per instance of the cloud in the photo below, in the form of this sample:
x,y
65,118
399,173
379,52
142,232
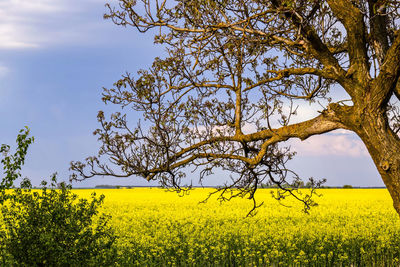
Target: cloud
x,y
10,37
337,143
304,112
20,21
27,24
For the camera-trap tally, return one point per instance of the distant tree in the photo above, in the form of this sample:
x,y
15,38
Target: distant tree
x,y
226,94
309,185
105,186
347,186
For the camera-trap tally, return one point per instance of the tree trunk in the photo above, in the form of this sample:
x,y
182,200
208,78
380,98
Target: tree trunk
x,y
384,147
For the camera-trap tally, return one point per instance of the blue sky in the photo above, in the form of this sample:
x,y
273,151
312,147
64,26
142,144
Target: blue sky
x,y
55,57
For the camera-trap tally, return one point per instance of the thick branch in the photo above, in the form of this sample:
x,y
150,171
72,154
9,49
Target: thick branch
x,y
352,19
323,123
379,31
388,77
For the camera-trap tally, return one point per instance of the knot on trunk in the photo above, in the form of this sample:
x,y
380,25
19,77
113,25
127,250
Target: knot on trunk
x,y
385,165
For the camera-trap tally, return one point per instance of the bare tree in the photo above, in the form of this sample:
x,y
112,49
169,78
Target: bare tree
x,y
228,89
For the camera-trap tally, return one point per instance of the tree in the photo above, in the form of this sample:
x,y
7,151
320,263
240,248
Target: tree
x,y
226,94
52,226
49,226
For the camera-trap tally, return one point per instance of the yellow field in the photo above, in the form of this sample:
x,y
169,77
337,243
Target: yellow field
x,y
356,227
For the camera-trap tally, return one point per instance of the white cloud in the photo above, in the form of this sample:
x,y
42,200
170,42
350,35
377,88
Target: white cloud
x,y
26,24
12,36
249,128
20,21
304,112
337,143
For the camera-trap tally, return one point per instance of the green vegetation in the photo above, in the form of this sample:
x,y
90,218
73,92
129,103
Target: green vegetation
x,y
50,226
349,227
56,226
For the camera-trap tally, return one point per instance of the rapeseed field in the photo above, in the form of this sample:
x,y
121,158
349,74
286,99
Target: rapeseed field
x,y
349,227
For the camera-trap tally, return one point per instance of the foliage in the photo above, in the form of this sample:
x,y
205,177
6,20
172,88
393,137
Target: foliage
x,y
50,226
12,163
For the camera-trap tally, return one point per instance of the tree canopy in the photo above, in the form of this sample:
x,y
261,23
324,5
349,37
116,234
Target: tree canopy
x,y
226,94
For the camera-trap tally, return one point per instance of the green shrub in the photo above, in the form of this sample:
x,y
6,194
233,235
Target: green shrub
x,y
50,226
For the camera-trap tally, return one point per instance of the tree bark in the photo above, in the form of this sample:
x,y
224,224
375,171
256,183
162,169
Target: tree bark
x,y
384,147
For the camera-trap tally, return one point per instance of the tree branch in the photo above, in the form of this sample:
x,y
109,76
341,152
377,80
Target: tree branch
x,y
314,43
323,123
324,73
352,19
384,85
378,29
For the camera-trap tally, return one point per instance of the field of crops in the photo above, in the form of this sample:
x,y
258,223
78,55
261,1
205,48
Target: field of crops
x,y
355,227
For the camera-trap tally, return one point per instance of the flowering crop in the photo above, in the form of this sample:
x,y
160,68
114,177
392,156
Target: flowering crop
x,y
356,227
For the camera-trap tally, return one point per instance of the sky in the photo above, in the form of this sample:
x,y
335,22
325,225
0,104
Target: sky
x,y
55,58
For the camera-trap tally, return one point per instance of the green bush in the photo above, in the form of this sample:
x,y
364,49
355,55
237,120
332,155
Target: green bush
x,y
50,226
